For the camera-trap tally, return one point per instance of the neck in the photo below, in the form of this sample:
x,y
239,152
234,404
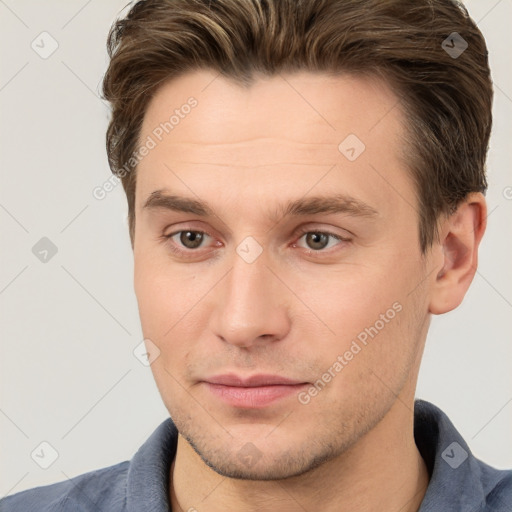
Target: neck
x,y
382,472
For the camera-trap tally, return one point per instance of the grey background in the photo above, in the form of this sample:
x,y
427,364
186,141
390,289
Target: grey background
x,y
69,326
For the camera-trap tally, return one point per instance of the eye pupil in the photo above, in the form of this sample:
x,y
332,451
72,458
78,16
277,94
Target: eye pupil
x,y
191,239
317,240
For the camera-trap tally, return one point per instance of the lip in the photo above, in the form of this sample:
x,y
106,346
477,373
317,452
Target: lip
x,y
231,379
252,392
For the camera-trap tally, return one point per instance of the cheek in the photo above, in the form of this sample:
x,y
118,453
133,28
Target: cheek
x,y
353,298
171,311
364,373
375,324
164,293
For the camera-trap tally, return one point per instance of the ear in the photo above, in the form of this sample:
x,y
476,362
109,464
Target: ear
x,y
459,237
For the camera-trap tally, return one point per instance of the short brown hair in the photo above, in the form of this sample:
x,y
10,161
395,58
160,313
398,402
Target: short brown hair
x,y
447,99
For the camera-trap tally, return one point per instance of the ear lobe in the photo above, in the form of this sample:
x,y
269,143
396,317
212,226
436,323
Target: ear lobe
x,y
460,236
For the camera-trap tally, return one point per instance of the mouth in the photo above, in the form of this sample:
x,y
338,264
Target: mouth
x,y
252,392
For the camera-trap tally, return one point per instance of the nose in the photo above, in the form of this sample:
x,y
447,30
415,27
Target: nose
x,y
252,305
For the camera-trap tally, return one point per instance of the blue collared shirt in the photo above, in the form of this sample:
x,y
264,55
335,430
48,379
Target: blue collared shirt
x,y
459,482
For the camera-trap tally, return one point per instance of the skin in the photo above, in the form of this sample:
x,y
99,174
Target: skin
x,y
299,305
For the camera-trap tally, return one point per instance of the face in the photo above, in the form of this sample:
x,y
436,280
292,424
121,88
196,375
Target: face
x,y
277,266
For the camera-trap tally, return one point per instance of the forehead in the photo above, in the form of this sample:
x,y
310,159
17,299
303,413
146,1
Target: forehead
x,y
279,130
309,107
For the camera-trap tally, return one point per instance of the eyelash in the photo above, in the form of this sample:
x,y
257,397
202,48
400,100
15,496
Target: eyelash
x,y
300,233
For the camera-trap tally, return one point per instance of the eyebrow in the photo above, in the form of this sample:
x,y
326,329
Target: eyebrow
x,y
337,203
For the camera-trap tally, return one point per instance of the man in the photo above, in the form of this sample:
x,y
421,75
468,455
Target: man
x,y
305,185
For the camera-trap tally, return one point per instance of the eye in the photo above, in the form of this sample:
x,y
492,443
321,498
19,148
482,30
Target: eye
x,y
320,240
188,239
187,242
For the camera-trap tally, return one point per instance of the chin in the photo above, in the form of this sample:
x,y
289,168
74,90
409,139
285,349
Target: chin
x,y
268,463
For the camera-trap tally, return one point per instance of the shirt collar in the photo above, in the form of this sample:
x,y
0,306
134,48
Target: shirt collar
x,y
149,471
455,474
